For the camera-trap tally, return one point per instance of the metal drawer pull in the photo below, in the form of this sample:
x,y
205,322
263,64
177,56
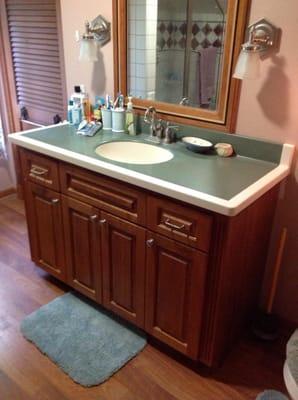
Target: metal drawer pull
x,y
55,201
93,218
173,226
150,242
102,221
38,170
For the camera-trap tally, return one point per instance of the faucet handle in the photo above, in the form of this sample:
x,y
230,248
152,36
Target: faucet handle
x,y
170,134
159,129
175,127
150,114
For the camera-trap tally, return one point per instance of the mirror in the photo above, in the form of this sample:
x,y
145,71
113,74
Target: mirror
x,y
179,56
175,49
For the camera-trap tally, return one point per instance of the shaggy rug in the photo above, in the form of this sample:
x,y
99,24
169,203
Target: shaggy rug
x,y
85,341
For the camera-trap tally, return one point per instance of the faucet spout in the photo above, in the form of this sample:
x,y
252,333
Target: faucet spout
x,y
150,119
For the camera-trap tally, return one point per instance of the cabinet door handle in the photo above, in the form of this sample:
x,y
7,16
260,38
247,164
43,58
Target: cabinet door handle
x,y
102,221
150,242
173,226
55,201
93,218
35,170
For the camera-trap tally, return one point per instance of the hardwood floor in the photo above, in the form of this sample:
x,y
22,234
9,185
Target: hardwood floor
x,y
27,374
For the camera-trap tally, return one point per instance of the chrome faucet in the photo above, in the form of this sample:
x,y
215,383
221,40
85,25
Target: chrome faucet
x,y
150,119
184,101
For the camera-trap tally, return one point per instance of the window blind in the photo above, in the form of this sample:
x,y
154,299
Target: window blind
x,y
34,29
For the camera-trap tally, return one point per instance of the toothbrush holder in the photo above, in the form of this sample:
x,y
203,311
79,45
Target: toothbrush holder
x,y
118,120
106,119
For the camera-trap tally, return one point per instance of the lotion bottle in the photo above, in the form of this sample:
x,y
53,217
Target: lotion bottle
x,y
130,118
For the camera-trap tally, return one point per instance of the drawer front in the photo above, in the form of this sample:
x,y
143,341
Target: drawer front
x,y
179,222
40,169
105,193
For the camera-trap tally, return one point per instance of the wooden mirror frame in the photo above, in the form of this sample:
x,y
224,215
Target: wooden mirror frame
x,y
224,118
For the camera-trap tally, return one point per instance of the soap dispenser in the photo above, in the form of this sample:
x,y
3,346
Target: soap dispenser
x,y
130,118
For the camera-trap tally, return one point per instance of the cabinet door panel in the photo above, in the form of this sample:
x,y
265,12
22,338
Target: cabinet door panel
x,y
174,293
123,251
82,247
44,217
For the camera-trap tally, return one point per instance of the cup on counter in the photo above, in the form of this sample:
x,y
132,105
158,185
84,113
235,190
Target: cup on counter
x,y
106,119
118,120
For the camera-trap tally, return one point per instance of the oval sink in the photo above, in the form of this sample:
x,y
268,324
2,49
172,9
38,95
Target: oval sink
x,y
133,153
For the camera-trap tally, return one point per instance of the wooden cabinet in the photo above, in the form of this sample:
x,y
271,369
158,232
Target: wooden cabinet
x,y
188,277
82,247
123,258
175,285
44,218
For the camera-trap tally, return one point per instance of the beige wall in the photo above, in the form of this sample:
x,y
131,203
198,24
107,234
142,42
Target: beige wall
x,y
98,77
268,109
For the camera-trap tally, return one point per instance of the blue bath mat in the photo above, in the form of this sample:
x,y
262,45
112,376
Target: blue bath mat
x,y
83,340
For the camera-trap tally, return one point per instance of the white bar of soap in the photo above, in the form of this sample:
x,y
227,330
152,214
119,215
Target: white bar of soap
x,y
224,149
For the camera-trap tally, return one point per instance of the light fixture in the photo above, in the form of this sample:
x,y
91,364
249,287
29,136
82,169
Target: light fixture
x,y
97,33
263,39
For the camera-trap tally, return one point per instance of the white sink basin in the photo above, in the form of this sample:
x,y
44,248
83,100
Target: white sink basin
x,y
133,153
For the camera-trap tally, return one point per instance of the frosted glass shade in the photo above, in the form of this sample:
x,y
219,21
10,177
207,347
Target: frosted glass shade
x,y
88,50
248,65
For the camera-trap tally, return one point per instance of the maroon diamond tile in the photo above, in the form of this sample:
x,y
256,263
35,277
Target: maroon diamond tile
x,y
195,29
183,28
218,30
194,43
161,43
182,43
205,43
162,27
207,29
217,43
170,28
169,43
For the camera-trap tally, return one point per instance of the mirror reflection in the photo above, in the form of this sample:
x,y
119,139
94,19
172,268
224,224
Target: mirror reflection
x,y
175,50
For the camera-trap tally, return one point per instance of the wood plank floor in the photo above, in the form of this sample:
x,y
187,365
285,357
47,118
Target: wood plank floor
x,y
27,374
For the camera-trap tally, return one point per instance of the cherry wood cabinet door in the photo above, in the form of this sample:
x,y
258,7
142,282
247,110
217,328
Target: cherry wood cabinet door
x,y
44,218
175,283
82,247
123,255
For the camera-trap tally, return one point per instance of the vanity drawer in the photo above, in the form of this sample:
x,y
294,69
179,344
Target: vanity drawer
x,y
179,222
40,169
105,193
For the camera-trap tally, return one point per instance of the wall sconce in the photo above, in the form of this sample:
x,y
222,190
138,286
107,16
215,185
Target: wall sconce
x,y
98,32
263,39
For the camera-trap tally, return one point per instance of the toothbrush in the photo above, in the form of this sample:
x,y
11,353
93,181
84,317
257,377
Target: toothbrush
x,y
116,102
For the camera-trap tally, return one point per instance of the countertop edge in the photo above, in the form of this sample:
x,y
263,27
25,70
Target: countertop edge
x,y
230,207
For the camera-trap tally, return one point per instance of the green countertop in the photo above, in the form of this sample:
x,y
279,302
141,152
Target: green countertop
x,y
207,173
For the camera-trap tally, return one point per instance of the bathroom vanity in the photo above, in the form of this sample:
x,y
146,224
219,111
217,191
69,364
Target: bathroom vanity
x,y
180,255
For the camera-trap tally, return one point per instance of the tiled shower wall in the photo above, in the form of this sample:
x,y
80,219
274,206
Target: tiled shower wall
x,y
207,30
142,38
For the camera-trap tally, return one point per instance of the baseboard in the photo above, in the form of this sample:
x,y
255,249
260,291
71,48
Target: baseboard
x,y
7,192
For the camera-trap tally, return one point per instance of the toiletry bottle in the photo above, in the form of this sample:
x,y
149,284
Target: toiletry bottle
x,y
130,118
69,111
76,97
86,109
76,115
